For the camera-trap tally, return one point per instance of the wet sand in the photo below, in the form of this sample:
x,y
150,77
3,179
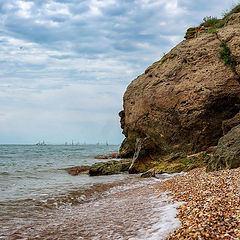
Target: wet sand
x,y
129,212
212,209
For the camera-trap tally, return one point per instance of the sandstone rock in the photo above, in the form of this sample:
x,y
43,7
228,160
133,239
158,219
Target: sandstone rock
x,y
127,147
174,156
231,35
142,157
212,149
228,124
181,101
183,164
227,155
109,167
233,19
193,32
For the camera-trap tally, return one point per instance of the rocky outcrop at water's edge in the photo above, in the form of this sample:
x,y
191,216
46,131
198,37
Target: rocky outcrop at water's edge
x,y
186,101
109,167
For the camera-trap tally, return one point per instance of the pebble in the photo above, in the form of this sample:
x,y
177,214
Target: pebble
x,y
212,204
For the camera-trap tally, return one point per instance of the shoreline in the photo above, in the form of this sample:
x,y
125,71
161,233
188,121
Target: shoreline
x,y
198,205
212,204
129,211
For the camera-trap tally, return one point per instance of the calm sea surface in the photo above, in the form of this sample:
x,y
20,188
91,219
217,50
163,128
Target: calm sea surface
x,y
40,200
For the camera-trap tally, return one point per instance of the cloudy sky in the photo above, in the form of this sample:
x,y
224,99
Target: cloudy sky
x,y
65,64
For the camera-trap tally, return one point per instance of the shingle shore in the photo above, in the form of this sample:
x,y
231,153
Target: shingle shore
x,y
212,208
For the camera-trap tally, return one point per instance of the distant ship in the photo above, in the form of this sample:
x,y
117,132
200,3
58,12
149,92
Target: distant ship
x,y
41,143
72,143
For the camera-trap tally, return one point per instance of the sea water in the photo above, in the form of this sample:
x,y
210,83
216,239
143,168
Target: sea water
x,y
40,200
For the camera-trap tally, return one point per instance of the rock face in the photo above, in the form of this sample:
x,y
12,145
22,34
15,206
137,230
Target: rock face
x,y
181,101
228,124
227,155
193,32
142,160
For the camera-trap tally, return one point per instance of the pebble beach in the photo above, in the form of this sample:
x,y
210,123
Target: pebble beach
x,y
211,208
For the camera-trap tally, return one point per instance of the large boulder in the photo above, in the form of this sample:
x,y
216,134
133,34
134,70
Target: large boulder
x,y
227,155
109,167
181,100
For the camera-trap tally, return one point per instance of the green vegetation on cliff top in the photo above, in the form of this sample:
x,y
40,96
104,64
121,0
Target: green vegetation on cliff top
x,y
213,23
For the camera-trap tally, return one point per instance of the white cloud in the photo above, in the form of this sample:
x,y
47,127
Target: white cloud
x,y
54,8
65,64
24,8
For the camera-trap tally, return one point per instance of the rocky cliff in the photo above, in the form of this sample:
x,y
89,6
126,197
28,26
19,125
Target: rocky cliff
x,y
179,103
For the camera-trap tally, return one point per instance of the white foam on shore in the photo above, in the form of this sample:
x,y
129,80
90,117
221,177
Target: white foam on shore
x,y
144,181
163,221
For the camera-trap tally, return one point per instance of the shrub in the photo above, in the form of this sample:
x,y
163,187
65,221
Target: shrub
x,y
225,54
220,24
209,21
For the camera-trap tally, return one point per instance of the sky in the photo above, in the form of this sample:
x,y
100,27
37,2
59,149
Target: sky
x,y
65,64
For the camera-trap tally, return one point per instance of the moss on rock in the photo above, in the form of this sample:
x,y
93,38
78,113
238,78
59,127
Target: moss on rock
x,y
184,164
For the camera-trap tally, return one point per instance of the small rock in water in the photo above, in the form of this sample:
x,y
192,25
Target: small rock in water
x,y
149,173
108,156
74,171
109,167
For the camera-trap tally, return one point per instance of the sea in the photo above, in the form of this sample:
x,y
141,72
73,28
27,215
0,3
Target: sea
x,y
40,200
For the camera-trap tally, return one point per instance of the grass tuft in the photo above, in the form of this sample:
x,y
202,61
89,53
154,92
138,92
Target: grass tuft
x,y
164,58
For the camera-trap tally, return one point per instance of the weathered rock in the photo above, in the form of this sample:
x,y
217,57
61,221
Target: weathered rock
x,y
181,101
184,164
233,19
194,32
227,155
142,157
212,148
74,171
231,35
109,167
174,156
228,124
127,147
